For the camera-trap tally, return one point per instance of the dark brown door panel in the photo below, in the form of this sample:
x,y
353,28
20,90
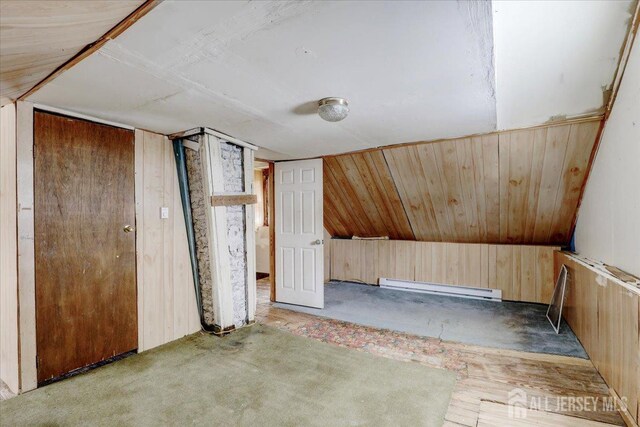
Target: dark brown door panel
x,y
85,267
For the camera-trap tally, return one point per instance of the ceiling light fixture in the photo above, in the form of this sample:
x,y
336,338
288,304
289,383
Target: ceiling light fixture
x,y
333,109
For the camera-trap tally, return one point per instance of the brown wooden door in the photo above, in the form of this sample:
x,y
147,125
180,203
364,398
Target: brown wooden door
x,y
85,262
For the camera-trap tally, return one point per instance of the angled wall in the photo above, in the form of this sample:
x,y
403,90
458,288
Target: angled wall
x,y
608,227
512,187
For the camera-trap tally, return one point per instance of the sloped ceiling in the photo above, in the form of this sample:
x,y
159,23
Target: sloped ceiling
x,y
509,187
36,37
412,71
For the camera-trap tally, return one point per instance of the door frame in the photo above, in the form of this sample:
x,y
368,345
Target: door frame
x,y
120,340
27,361
272,229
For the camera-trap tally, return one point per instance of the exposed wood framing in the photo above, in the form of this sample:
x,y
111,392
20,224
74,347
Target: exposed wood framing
x,y
209,131
93,47
213,181
234,199
624,58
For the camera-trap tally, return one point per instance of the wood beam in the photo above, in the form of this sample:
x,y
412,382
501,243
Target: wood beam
x,y
234,199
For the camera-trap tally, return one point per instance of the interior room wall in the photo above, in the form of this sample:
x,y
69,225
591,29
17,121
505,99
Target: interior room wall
x,y
8,250
608,227
603,313
510,187
522,272
166,297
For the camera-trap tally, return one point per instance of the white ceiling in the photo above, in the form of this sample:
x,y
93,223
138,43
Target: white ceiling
x,y
411,70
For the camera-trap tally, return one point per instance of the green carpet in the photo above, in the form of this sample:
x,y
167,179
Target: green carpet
x,y
255,376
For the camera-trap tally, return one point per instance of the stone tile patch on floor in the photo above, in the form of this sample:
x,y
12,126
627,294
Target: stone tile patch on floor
x,y
508,325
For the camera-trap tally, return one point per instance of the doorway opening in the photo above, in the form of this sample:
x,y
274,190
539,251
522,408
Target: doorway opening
x,y
263,222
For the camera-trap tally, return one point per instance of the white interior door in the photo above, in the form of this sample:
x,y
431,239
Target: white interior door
x,y
299,233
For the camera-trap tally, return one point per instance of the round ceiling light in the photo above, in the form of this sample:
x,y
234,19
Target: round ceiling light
x,y
333,109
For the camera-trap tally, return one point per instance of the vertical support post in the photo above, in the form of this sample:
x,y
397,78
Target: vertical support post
x,y
220,188
273,223
221,274
250,236
178,150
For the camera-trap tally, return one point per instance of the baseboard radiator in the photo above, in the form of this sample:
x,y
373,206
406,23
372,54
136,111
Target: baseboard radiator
x,y
439,289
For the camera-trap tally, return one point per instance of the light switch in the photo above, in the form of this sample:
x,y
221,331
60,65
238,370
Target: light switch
x,y
164,213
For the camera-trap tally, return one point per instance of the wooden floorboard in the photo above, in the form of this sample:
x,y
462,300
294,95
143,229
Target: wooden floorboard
x,y
485,376
496,414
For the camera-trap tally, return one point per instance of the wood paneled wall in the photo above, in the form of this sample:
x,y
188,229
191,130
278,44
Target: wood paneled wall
x,y
360,198
26,249
166,298
8,251
523,273
515,187
604,316
326,249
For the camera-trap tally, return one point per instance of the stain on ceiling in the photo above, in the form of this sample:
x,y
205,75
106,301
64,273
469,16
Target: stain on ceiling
x,y
411,71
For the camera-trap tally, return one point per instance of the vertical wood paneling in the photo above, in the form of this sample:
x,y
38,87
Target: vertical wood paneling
x,y
327,255
487,181
396,259
513,187
504,271
545,279
9,368
576,161
418,202
26,249
166,297
618,340
523,273
350,260
361,198
604,315
555,147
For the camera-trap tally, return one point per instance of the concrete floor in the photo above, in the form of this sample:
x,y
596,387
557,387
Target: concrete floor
x,y
506,325
256,376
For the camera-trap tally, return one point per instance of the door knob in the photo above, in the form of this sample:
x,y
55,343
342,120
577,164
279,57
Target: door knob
x,y
128,229
316,242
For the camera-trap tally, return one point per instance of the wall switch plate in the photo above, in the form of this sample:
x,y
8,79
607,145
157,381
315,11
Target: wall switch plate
x,y
164,213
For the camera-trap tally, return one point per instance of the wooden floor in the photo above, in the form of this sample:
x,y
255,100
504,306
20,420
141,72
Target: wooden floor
x,y
563,391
